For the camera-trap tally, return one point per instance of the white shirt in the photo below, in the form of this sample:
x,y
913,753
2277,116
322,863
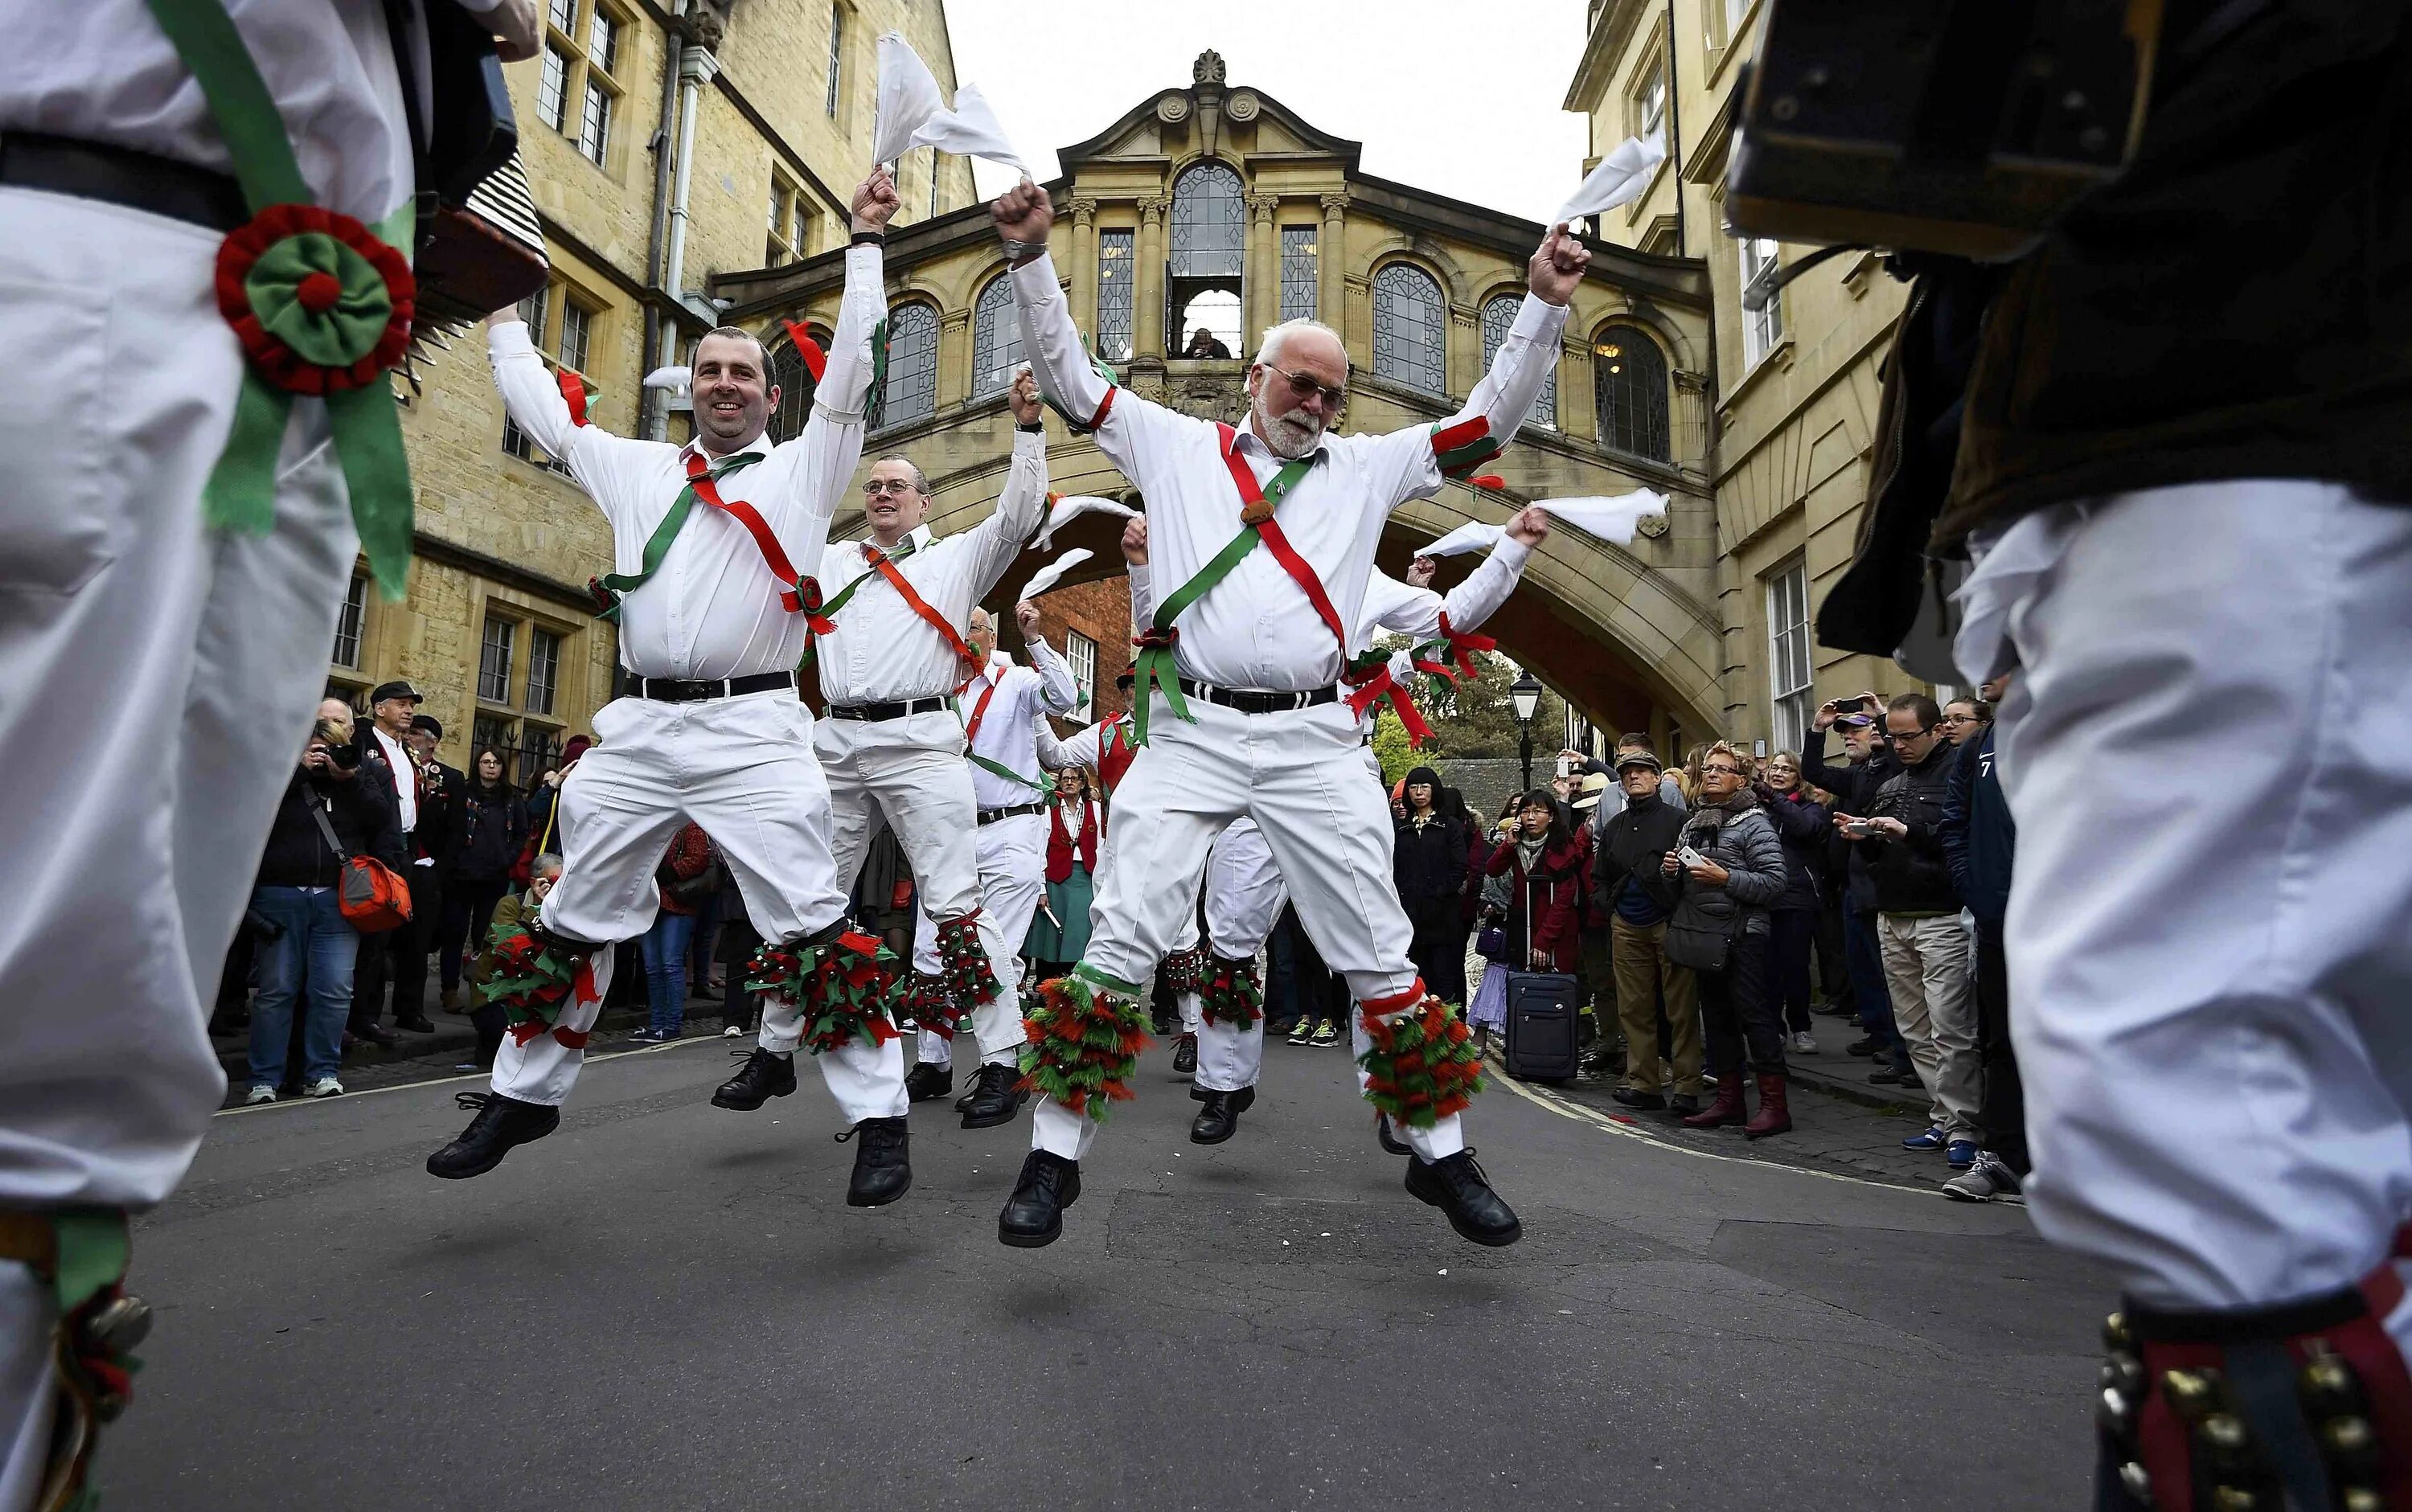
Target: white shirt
x,y
1398,606
1256,629
405,777
881,650
102,71
1008,732
1084,748
713,609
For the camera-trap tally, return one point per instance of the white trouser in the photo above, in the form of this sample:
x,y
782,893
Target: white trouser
x,y
1012,883
743,769
1243,899
2207,940
156,680
1299,776
1926,976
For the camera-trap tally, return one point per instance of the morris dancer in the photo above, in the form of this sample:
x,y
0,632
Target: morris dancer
x,y
890,661
1253,723
1004,708
712,619
176,536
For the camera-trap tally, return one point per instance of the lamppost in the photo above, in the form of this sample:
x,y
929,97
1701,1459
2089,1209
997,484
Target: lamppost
x,y
1525,695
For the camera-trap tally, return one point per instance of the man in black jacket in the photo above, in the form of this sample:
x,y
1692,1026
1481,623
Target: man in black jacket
x,y
1630,889
443,811
1854,786
1918,924
1979,838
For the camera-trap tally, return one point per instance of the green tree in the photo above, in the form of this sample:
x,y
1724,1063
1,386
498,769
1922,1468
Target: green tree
x,y
1390,746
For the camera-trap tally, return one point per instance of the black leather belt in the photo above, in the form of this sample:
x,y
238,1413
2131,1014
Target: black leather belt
x,y
991,816
121,176
886,711
1256,701
689,690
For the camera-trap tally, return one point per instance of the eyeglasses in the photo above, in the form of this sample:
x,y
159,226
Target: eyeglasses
x,y
897,486
1301,387
1920,733
1959,719
1720,772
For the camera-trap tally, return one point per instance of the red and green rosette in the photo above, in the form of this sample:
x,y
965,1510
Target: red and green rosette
x,y
845,988
320,303
1231,993
1421,1064
534,981
963,961
1084,1035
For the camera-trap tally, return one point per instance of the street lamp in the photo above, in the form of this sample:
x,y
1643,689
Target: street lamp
x,y
1525,694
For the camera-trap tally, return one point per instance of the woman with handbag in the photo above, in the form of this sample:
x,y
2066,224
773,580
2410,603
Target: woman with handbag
x,y
1543,863
1728,868
684,874
493,829
324,819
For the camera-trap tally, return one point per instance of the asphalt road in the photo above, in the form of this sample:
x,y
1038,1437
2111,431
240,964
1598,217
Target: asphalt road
x,y
667,1305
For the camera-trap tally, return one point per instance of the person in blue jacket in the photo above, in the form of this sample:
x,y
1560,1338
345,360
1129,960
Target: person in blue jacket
x,y
1978,838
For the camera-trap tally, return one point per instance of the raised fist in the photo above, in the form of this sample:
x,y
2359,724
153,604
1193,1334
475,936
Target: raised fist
x,y
519,30
1024,214
1421,571
1025,614
1023,396
1557,267
874,202
1529,525
1134,541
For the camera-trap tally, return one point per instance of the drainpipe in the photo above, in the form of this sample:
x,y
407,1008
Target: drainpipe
x,y
697,68
653,411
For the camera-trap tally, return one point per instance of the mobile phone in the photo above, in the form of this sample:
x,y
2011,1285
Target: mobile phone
x,y
1850,706
1690,857
1857,828
1566,766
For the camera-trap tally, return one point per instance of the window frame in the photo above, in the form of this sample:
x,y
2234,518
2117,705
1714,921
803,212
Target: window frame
x,y
836,95
1545,408
541,640
885,419
494,670
1080,654
1300,271
582,78
992,309
786,238
1791,664
1116,342
1653,88
351,624
1386,353
1663,409
1762,330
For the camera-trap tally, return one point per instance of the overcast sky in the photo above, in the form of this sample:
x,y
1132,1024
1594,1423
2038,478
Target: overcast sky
x,y
1462,99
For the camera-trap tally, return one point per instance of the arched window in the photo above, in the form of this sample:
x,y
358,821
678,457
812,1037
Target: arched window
x,y
1210,224
1499,319
794,382
912,389
1629,380
1410,328
996,338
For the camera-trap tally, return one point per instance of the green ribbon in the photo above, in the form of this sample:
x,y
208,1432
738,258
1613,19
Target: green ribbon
x,y
875,402
1156,667
1000,770
1460,461
1095,978
657,545
241,496
92,1250
1079,425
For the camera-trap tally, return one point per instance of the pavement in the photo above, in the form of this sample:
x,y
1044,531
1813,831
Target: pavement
x,y
667,1305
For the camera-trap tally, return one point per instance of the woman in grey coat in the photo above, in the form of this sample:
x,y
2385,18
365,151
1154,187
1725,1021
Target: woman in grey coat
x,y
1720,929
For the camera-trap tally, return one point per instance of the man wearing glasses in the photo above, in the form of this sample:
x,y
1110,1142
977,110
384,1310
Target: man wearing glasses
x,y
1918,924
891,659
1261,546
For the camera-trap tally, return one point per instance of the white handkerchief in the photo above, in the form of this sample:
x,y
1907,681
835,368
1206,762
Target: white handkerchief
x,y
1052,573
1066,510
969,130
908,97
1610,520
1619,179
1474,535
679,381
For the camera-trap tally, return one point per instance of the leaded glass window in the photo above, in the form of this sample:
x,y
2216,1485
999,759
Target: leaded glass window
x,y
1410,328
996,338
1210,224
794,382
1116,280
1298,272
1629,380
912,390
1499,319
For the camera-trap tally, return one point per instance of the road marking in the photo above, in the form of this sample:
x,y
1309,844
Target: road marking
x,y
1565,1108
440,1081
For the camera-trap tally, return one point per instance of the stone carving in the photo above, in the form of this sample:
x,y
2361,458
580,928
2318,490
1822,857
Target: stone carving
x,y
1172,109
1209,399
704,27
1208,69
1084,210
1334,204
1242,105
1652,527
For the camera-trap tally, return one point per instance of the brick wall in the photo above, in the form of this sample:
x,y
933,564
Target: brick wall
x,y
1102,611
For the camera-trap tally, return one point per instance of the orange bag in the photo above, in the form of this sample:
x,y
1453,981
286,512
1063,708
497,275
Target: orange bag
x,y
373,898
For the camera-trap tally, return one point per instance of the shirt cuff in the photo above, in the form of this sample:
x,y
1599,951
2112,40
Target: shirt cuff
x,y
1539,317
864,257
510,339
1511,553
1033,281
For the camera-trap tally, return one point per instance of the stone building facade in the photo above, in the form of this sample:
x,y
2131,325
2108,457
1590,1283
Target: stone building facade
x,y
768,106
1792,387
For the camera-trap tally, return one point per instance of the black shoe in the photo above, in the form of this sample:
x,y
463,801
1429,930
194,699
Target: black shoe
x,y
971,1095
414,1025
1634,1098
1866,1048
501,1123
927,1080
1684,1103
1895,1076
377,1034
1389,1140
1185,1056
993,1099
1220,1118
764,1076
1033,1215
883,1164
1457,1187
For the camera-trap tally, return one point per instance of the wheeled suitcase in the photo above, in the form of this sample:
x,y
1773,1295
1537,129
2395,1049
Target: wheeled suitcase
x,y
1542,1025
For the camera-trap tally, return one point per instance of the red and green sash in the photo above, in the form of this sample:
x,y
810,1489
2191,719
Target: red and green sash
x,y
797,594
883,564
971,734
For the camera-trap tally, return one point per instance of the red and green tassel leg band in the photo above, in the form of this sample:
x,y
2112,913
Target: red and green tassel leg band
x,y
1232,994
1084,1036
1421,1064
963,961
536,980
845,987
931,1006
80,1257
1185,970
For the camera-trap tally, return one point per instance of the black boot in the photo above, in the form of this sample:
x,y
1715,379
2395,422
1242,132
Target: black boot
x,y
1387,1139
1033,1215
501,1123
766,1075
883,1164
1185,1055
993,1099
1457,1187
927,1080
1220,1118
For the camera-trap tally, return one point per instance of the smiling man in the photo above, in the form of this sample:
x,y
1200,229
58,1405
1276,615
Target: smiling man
x,y
712,619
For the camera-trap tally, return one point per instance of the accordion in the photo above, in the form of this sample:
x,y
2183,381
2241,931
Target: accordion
x,y
1960,126
480,247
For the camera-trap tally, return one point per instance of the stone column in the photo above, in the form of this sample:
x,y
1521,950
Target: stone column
x,y
1084,266
1687,422
1464,355
1330,260
1262,306
954,358
1147,286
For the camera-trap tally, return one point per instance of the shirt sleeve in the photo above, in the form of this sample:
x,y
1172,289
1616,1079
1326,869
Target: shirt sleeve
x,y
531,397
1143,597
1409,610
1487,587
995,542
1065,373
1056,755
813,468
1057,689
1408,468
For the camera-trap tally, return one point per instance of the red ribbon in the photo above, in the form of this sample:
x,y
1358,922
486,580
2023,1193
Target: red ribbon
x,y
1374,684
808,603
1462,644
815,360
698,478
573,393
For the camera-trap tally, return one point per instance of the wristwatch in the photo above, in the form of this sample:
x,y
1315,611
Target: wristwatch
x,y
1018,253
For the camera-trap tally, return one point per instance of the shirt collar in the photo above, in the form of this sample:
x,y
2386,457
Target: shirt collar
x,y
759,446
